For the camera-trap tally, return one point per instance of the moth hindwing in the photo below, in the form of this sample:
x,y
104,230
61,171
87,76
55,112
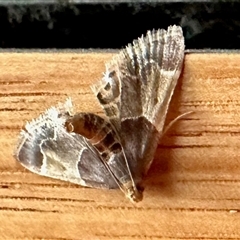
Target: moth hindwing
x,y
135,93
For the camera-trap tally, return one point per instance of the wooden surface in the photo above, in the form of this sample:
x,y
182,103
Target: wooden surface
x,y
192,190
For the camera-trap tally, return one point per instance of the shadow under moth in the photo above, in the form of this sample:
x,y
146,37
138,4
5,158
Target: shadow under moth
x,y
116,151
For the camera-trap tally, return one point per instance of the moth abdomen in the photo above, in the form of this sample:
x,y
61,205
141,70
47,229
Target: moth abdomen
x,y
85,124
97,130
108,142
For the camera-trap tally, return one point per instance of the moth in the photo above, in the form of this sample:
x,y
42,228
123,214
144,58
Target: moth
x,y
115,151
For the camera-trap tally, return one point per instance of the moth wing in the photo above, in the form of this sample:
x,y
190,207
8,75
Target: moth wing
x,y
136,90
46,148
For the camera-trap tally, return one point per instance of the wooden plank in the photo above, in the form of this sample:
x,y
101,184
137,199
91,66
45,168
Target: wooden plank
x,y
192,190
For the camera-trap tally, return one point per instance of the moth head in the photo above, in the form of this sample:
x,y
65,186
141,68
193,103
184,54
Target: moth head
x,y
134,194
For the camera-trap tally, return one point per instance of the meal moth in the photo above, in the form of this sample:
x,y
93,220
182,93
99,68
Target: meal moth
x,y
116,151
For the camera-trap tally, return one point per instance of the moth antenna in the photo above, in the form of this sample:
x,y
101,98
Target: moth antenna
x,y
174,121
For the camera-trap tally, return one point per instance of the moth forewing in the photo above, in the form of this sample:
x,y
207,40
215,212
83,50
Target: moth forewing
x,y
146,73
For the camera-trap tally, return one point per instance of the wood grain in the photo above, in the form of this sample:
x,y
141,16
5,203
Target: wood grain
x,y
192,190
